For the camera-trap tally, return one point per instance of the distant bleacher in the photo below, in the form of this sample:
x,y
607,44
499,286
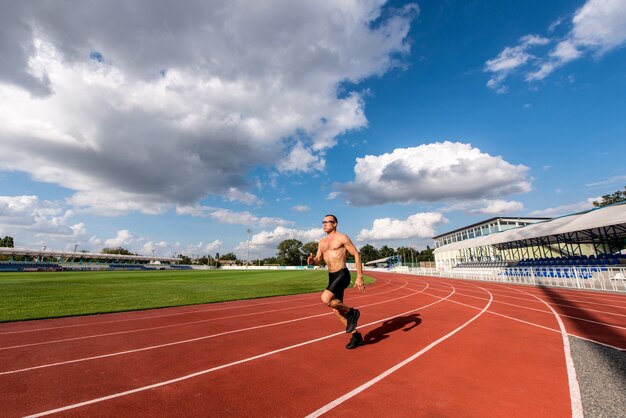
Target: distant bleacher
x,y
15,266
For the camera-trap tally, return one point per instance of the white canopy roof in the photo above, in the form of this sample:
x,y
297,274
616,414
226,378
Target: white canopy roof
x,y
582,221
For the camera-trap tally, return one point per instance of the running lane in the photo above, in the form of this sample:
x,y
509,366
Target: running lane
x,y
435,347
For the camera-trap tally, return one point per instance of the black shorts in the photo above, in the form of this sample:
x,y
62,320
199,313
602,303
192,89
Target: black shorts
x,y
338,281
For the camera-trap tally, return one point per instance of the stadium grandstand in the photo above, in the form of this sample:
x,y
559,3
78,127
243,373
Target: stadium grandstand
x,y
584,249
386,262
23,259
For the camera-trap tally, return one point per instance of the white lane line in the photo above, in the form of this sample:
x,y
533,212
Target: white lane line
x,y
398,366
535,324
236,305
85,324
574,388
548,312
204,337
168,326
568,306
223,366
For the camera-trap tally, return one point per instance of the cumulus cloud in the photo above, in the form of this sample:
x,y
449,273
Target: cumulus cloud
x,y
28,219
236,195
419,225
431,172
265,243
123,239
486,206
144,105
227,216
301,208
598,27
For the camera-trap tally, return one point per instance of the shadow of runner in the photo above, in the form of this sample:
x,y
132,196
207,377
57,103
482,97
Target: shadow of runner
x,y
601,370
392,325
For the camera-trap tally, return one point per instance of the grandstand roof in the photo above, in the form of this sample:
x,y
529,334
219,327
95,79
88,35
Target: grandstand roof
x,y
79,254
487,221
380,260
589,220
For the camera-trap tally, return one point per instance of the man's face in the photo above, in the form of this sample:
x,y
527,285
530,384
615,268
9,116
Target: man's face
x,y
328,224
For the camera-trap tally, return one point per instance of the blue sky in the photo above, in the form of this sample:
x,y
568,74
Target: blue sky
x,y
175,129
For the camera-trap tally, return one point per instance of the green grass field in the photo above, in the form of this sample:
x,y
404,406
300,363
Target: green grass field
x,y
54,294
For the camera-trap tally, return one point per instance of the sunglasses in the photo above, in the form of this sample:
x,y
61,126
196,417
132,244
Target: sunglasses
x,y
328,222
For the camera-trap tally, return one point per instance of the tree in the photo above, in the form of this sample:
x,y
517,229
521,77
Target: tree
x,y
609,199
290,252
310,248
270,261
427,255
118,250
385,251
184,259
7,241
369,253
229,256
406,254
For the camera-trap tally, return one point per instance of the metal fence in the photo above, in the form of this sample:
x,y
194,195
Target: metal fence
x,y
611,279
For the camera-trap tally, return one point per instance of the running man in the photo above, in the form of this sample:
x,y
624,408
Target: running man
x,y
334,249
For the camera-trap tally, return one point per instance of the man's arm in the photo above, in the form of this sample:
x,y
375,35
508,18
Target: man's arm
x,y
357,260
315,260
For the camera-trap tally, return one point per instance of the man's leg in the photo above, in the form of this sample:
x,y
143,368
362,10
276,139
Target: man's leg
x,y
330,300
342,318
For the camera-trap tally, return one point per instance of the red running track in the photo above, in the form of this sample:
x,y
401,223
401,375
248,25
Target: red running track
x,y
435,347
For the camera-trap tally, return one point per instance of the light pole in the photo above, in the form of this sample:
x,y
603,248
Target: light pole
x,y
249,231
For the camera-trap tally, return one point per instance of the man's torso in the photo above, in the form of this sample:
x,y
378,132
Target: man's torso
x,y
334,251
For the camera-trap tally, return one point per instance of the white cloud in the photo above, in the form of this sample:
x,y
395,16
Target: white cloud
x,y
183,102
510,59
495,207
28,219
301,159
431,172
301,208
419,225
265,243
213,246
123,239
486,206
227,216
608,182
565,209
598,27
236,195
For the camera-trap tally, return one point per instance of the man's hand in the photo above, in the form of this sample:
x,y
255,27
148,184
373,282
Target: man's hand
x,y
359,283
310,259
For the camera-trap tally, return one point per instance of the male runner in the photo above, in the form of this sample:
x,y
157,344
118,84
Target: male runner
x,y
334,249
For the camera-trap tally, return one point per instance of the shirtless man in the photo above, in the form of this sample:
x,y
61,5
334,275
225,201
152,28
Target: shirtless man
x,y
334,249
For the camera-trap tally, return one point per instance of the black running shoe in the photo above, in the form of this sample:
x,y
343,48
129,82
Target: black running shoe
x,y
352,316
355,342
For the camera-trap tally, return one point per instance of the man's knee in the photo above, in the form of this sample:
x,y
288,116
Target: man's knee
x,y
327,298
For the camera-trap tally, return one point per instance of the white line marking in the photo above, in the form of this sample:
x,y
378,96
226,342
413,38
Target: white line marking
x,y
235,304
574,389
398,366
223,366
205,337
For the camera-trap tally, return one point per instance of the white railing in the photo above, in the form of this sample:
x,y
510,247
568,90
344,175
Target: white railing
x,y
612,279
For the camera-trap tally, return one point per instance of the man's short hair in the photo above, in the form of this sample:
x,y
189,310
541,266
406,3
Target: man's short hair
x,y
334,218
